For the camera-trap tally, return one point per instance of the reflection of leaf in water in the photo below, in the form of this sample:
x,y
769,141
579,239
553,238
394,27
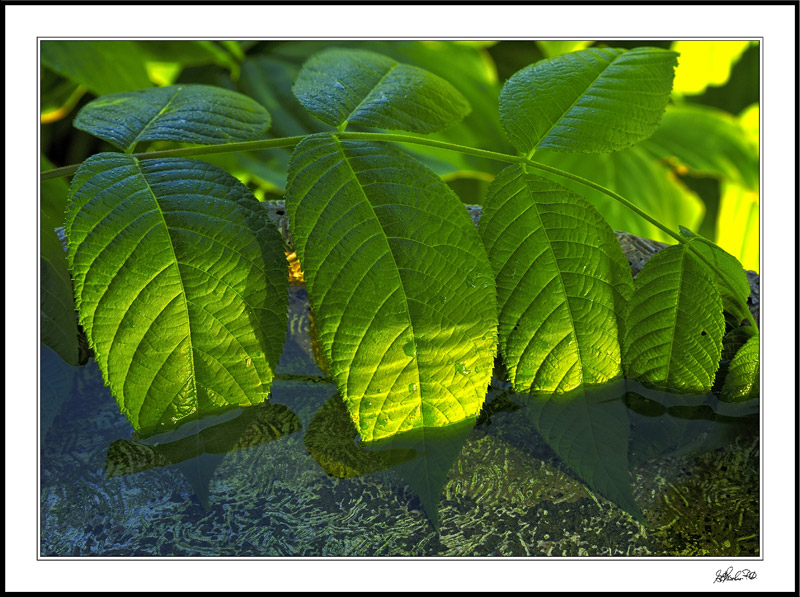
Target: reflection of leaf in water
x,y
254,426
56,379
588,429
331,440
436,450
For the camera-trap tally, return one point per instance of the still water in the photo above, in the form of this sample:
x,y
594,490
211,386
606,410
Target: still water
x,y
290,479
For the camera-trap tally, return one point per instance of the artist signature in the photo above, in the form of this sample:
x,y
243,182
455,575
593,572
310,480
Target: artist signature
x,y
729,574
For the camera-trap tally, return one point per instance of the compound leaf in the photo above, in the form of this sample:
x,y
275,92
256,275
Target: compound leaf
x,y
742,384
591,101
402,291
188,113
562,280
180,282
342,86
675,324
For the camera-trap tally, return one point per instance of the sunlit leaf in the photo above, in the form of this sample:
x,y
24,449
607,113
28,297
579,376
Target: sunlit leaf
x,y
635,175
705,62
674,325
562,280
591,101
741,383
189,113
343,86
738,224
180,283
706,142
100,66
403,293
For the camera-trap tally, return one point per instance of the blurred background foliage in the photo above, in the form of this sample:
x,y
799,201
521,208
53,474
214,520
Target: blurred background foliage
x,y
699,170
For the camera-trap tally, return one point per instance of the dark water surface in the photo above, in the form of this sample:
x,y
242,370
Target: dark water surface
x,y
289,478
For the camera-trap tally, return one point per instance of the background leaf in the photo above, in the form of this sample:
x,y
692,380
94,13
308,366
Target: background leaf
x,y
705,62
555,47
189,113
100,66
594,100
738,224
59,327
356,86
562,279
402,291
741,383
56,378
635,175
186,309
674,325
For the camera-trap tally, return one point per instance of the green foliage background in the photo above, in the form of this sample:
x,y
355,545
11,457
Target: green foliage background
x,y
713,192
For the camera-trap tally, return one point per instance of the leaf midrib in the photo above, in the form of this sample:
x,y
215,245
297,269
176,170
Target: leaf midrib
x,y
138,136
577,99
346,161
192,378
370,94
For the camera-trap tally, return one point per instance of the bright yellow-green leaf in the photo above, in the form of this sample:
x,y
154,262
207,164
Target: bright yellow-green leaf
x,y
749,120
402,290
180,281
742,382
704,63
738,224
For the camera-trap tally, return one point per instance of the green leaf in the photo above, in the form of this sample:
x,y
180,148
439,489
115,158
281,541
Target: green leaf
x,y
402,290
742,384
189,113
59,326
591,101
637,176
732,284
100,66
588,429
674,325
53,195
706,141
180,280
343,86
562,279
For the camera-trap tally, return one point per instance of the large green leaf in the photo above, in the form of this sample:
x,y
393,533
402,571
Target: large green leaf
x,y
562,280
180,282
402,290
742,383
588,429
591,101
343,86
707,142
189,113
57,306
674,325
100,66
637,176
